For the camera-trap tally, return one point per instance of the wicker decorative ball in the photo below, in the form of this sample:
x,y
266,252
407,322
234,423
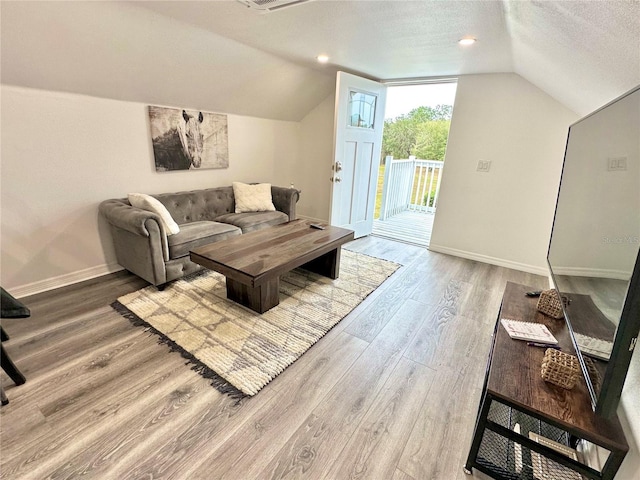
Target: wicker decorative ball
x,y
560,368
549,304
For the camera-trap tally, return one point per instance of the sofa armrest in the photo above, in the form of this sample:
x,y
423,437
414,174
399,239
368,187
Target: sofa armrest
x,y
141,254
119,213
285,199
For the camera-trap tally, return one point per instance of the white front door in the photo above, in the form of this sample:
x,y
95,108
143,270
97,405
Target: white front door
x,y
358,125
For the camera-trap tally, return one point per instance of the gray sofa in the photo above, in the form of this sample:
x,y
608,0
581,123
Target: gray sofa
x,y
204,216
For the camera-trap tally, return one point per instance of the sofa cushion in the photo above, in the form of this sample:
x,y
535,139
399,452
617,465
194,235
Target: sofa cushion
x,y
196,234
254,220
147,202
198,205
253,198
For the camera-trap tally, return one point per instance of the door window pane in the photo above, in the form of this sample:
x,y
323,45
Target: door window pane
x,y
362,109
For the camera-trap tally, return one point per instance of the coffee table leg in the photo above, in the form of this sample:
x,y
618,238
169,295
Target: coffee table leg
x,y
259,299
327,265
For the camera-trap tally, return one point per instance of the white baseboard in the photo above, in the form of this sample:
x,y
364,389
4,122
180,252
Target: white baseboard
x,y
501,262
105,269
80,276
64,280
593,273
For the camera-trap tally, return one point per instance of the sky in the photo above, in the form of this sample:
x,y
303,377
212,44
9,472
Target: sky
x,y
401,100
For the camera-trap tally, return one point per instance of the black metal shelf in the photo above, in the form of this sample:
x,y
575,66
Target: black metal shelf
x,y
511,459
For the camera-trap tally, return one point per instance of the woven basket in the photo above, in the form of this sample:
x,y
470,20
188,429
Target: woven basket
x,y
560,368
549,304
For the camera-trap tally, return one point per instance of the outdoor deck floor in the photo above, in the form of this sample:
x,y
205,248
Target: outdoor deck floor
x,y
409,227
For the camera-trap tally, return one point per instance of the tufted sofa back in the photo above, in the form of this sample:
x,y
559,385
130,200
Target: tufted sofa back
x,y
198,205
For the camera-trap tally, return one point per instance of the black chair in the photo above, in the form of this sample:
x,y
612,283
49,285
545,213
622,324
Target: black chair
x,y
10,308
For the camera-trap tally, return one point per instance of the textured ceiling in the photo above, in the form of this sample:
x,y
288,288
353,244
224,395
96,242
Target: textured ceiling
x,y
381,39
583,53
222,56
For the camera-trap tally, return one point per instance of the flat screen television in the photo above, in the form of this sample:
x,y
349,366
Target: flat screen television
x,y
593,254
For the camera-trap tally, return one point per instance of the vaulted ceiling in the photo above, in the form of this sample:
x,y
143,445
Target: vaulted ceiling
x,y
223,56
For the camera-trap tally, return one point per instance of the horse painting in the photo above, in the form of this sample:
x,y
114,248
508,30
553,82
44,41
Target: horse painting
x,y
188,139
180,147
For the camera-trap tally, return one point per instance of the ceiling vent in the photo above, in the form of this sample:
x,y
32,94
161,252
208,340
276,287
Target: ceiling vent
x,y
265,6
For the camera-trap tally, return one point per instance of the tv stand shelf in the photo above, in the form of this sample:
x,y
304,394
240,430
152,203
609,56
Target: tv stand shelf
x,y
524,423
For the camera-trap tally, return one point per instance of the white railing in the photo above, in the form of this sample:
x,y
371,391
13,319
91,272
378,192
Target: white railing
x,y
410,184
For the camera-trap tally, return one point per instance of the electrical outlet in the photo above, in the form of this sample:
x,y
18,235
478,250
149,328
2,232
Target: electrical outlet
x,y
483,166
616,164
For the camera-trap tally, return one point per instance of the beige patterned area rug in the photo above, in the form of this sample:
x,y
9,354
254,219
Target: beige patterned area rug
x,y
240,350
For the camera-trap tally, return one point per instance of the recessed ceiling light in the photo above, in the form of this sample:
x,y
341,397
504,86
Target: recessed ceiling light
x,y
322,58
467,41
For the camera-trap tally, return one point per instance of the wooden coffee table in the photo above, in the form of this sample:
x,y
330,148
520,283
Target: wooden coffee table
x,y
253,262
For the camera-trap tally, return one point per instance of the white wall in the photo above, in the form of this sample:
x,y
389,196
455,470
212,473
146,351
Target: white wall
x,y
64,153
313,169
502,217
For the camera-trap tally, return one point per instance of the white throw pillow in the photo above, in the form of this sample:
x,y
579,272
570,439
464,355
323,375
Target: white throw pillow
x,y
253,198
147,202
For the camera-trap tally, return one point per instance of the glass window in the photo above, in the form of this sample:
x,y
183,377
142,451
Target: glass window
x,y
362,109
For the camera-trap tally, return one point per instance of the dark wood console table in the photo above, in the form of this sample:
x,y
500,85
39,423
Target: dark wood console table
x,y
519,411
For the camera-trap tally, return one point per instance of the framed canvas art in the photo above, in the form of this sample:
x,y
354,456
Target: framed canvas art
x,y
188,139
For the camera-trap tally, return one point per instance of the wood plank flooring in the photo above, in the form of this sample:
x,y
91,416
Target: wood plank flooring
x,y
390,393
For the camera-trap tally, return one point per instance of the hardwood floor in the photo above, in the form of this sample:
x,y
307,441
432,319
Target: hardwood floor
x,y
390,393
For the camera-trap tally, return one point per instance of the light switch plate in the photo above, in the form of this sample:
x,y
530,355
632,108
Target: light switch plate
x,y
616,164
483,166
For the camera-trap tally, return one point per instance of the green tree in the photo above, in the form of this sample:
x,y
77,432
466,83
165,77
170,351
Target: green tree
x,y
399,137
431,140
425,114
422,132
